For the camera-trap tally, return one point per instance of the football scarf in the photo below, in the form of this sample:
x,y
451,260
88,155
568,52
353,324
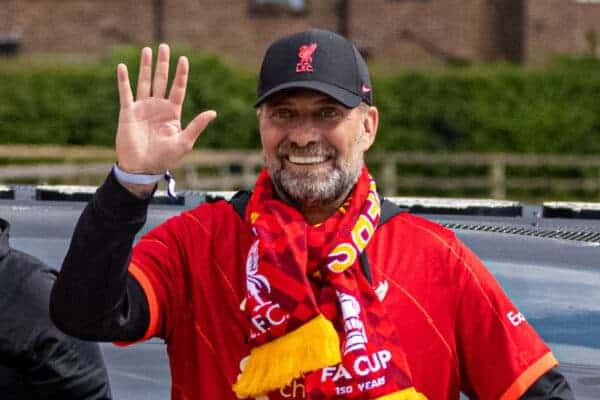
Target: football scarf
x,y
311,311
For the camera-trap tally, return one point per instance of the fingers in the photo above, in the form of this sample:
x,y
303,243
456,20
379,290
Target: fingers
x,y
177,93
125,95
157,87
196,127
161,75
145,75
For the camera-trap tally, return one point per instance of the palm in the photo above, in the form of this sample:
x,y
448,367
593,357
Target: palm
x,y
150,127
150,138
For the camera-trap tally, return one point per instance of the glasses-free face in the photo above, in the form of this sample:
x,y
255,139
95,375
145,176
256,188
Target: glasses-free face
x,y
325,115
314,146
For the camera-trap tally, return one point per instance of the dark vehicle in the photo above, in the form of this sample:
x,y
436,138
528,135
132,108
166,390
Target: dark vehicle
x,y
546,257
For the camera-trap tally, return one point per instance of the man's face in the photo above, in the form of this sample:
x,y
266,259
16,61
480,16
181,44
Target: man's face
x,y
313,146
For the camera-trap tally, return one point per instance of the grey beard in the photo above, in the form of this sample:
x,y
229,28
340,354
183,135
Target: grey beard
x,y
309,188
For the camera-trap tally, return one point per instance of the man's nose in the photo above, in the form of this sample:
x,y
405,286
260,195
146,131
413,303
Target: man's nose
x,y
304,133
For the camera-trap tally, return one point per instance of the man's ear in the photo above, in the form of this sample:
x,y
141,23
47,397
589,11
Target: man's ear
x,y
370,124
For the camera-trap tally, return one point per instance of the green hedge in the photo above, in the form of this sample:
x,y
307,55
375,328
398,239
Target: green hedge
x,y
494,108
490,108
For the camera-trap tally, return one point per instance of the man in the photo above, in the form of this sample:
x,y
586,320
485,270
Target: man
x,y
37,361
303,290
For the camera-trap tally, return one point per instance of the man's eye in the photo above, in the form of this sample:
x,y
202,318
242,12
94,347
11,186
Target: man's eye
x,y
282,114
329,113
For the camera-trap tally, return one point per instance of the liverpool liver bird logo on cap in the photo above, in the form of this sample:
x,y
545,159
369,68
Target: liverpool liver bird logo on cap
x,y
305,53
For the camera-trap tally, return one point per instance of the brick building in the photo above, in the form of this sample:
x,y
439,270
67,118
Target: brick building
x,y
413,32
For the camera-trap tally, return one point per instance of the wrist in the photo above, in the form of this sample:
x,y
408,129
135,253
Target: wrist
x,y
136,178
140,185
143,185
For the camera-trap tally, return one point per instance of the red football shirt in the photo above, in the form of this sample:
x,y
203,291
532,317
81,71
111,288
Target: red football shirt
x,y
458,328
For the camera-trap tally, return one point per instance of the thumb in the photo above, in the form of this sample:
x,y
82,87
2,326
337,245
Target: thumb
x,y
196,127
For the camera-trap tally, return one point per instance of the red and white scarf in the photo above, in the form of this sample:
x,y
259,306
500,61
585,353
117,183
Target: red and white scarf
x,y
311,311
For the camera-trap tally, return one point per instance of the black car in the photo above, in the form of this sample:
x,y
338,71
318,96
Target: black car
x,y
546,257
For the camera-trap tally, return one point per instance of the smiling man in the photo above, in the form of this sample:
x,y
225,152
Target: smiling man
x,y
313,148
309,287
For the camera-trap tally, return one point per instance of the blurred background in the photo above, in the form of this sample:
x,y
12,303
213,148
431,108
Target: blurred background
x,y
478,98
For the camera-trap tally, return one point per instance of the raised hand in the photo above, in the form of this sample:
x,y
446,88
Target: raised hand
x,y
150,139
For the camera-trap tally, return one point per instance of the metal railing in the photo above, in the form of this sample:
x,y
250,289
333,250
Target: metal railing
x,y
494,175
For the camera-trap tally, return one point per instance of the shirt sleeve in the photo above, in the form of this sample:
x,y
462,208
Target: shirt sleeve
x,y
161,263
552,385
94,297
155,263
501,355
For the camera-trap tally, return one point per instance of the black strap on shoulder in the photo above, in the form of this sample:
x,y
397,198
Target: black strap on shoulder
x,y
365,266
388,210
239,201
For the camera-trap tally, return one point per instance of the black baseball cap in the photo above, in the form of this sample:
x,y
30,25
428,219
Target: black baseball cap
x,y
316,59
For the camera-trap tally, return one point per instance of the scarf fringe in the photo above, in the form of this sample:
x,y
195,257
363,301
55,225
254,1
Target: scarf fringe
x,y
275,364
404,394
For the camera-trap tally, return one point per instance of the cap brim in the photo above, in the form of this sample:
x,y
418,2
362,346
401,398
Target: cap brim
x,y
345,97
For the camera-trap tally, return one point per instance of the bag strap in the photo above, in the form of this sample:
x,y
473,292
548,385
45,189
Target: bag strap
x,y
388,210
239,201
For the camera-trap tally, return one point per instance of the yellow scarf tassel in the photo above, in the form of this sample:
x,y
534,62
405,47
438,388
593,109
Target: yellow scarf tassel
x,y
275,364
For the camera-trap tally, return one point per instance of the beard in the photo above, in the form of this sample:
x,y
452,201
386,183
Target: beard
x,y
312,186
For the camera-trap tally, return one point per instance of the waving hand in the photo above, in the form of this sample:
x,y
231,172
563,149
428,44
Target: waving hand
x,y
150,138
